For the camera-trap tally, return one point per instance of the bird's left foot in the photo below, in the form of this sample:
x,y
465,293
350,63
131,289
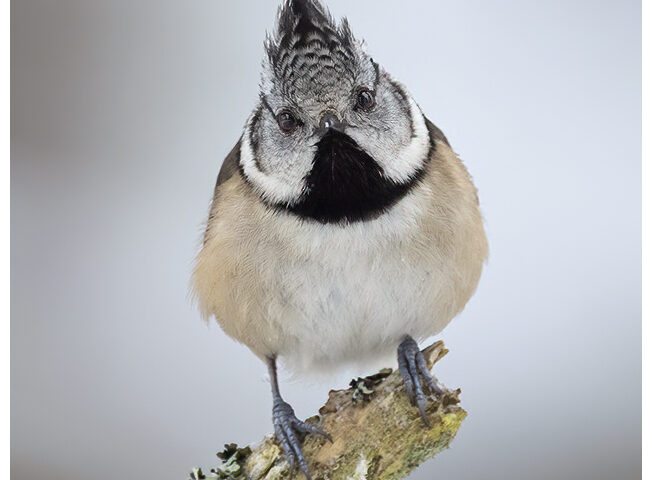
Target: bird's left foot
x,y
419,382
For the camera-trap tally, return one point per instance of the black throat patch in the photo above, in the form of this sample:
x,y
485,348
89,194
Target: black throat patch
x,y
347,185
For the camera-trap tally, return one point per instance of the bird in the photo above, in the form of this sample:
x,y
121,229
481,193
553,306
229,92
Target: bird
x,y
343,226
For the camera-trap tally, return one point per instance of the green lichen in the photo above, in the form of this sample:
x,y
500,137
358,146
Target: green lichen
x,y
262,460
197,474
233,459
377,435
363,388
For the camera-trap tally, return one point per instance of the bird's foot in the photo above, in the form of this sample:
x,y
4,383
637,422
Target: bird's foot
x,y
290,432
419,383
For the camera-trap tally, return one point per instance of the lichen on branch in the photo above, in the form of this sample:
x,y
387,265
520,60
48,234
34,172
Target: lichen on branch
x,y
377,435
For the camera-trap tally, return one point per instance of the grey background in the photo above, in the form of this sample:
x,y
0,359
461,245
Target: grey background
x,y
122,112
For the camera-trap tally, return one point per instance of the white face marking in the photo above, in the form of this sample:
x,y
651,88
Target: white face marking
x,y
283,181
402,162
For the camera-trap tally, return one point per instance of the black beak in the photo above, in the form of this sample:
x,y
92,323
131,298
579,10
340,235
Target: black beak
x,y
329,121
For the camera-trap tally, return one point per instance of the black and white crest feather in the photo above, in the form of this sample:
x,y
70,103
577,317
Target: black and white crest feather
x,y
308,47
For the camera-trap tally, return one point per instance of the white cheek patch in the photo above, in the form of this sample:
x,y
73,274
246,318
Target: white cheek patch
x,y
273,188
402,165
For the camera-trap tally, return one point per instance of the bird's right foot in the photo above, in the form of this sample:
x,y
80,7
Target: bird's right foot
x,y
290,432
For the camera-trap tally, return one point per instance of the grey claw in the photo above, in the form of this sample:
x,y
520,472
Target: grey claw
x,y
404,370
421,404
282,437
433,385
305,427
286,427
414,370
306,472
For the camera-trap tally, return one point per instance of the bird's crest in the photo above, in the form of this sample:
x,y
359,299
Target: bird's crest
x,y
307,43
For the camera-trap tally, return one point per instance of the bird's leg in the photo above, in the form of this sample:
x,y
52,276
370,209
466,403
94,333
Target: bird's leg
x,y
287,426
416,375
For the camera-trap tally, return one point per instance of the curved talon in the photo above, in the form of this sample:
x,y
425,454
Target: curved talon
x,y
414,370
433,385
285,444
420,397
286,427
404,370
308,428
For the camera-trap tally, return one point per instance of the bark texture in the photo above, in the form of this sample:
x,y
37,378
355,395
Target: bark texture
x,y
377,435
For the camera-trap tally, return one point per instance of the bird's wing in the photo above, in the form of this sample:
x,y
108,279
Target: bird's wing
x,y
230,166
435,133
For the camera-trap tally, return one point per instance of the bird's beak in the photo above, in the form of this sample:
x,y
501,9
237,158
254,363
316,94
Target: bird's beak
x,y
330,121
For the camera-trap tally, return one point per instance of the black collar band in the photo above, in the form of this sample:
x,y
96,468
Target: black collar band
x,y
347,185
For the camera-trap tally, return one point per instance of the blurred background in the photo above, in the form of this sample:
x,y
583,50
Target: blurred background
x,y
122,112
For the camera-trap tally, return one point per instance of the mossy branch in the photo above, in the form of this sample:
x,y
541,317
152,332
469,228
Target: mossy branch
x,y
377,435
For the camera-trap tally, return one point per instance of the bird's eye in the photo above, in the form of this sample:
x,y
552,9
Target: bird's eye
x,y
286,121
366,100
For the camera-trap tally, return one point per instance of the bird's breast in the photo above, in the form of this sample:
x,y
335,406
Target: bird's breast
x,y
321,295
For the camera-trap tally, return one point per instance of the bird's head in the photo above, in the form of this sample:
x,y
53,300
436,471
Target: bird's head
x,y
334,138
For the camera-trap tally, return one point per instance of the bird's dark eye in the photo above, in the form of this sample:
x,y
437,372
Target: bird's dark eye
x,y
286,121
366,100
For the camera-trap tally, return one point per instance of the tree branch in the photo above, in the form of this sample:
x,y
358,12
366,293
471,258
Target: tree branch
x,y
376,434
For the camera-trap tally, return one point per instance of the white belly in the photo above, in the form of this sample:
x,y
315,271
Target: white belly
x,y
351,296
353,308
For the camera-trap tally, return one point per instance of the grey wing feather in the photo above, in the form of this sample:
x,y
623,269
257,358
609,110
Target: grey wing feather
x,y
435,133
230,167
